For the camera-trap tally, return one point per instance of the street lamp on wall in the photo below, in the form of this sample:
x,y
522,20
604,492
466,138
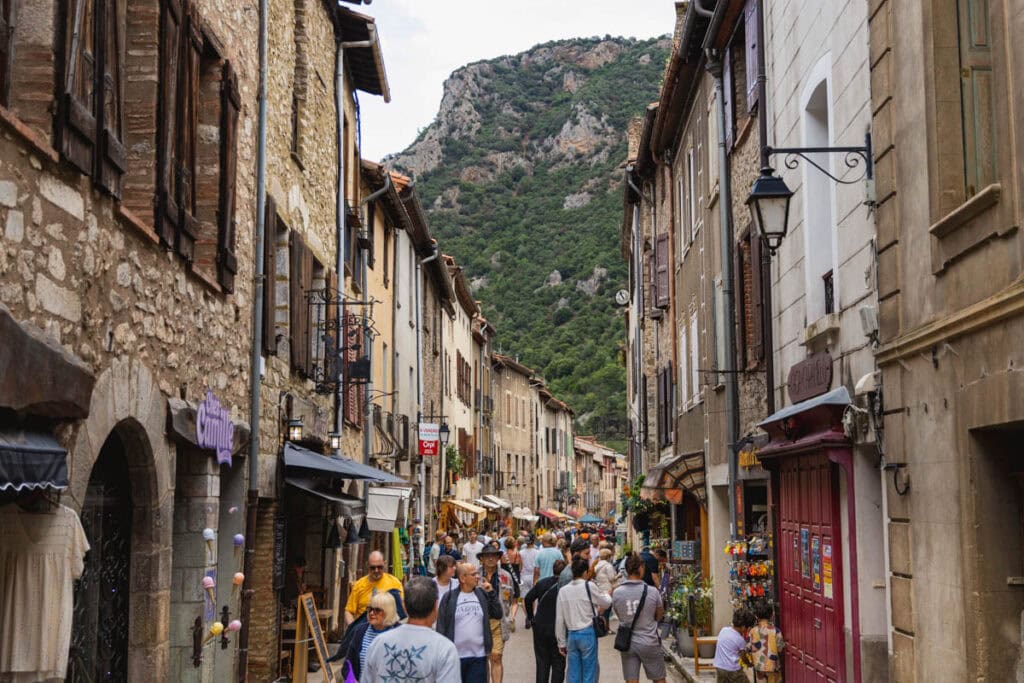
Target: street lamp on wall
x,y
295,429
443,433
770,197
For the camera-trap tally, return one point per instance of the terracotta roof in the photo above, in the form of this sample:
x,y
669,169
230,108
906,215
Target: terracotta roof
x,y
509,362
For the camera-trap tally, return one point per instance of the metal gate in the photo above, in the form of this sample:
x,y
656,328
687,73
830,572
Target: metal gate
x,y
810,569
99,636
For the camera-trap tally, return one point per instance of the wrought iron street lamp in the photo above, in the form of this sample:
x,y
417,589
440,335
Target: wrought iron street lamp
x,y
769,207
295,429
443,434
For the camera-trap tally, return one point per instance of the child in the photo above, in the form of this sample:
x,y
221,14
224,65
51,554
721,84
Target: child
x,y
766,645
732,642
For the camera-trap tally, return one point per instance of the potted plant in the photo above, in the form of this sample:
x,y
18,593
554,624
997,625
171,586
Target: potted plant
x,y
704,613
679,614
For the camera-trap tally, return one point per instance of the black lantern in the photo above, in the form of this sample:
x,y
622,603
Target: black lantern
x,y
295,430
512,479
443,433
769,207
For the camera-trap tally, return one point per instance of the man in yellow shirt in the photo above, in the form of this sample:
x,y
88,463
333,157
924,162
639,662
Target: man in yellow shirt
x,y
377,581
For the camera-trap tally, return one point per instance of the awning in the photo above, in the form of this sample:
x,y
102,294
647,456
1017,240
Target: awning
x,y
460,513
32,461
298,458
590,519
350,505
500,502
385,506
550,515
836,397
684,472
487,504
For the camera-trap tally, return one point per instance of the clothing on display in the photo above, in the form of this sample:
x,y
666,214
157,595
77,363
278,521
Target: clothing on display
x,y
41,556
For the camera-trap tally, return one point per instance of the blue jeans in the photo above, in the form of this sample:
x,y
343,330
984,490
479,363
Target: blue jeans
x,y
473,669
581,656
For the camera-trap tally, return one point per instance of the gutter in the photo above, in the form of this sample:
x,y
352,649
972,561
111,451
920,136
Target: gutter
x,y
424,487
255,360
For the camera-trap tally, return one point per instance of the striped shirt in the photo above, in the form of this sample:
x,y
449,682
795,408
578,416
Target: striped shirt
x,y
371,635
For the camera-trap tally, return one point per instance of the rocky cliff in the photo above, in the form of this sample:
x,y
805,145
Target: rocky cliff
x,y
521,173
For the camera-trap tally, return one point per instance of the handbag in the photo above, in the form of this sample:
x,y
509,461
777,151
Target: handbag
x,y
624,636
600,623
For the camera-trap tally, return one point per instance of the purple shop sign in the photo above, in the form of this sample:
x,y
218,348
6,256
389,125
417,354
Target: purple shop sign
x,y
214,428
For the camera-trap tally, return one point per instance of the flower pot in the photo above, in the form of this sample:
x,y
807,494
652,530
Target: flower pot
x,y
684,642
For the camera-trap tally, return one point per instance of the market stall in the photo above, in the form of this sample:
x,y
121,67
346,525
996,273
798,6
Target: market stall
x,y
459,514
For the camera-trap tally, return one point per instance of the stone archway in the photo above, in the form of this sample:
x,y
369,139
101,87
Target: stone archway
x,y
127,401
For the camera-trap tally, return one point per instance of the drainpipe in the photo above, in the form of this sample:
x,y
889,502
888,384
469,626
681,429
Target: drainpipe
x,y
732,417
766,264
255,360
419,381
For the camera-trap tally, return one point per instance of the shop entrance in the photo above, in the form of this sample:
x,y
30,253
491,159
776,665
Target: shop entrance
x,y
810,568
100,630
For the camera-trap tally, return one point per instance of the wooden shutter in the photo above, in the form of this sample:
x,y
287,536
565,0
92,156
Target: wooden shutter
x,y
977,95
113,157
187,139
270,279
757,278
77,119
353,343
750,26
662,252
729,97
740,297
660,403
371,255
6,41
230,103
652,268
170,55
297,310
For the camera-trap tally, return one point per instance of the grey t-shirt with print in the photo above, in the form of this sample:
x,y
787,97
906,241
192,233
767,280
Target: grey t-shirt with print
x,y
625,600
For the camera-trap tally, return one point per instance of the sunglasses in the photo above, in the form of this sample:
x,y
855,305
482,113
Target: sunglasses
x,y
377,568
374,610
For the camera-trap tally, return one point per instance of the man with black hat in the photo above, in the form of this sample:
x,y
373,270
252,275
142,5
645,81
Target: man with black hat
x,y
500,581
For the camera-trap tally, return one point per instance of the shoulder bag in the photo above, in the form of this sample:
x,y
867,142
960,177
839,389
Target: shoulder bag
x,y
600,623
624,636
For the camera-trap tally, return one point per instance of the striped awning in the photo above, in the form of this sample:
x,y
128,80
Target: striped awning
x,y
669,478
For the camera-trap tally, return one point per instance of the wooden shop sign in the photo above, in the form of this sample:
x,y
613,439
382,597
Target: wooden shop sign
x,y
810,377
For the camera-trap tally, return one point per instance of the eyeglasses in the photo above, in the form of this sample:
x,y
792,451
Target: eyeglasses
x,y
374,610
376,567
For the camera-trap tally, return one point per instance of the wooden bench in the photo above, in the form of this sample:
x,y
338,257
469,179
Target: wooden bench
x,y
697,642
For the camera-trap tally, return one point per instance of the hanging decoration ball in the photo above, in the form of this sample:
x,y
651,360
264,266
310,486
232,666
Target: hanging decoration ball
x,y
216,628
209,534
238,540
238,579
208,582
235,625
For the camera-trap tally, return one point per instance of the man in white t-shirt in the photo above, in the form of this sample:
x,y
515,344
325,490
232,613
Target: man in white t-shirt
x,y
528,556
472,549
464,618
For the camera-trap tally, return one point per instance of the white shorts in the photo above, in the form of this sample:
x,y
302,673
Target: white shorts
x,y
526,584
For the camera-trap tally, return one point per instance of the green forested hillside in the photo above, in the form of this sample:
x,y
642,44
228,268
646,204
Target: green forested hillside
x,y
521,173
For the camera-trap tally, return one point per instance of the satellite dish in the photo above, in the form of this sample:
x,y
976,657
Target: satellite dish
x,y
622,297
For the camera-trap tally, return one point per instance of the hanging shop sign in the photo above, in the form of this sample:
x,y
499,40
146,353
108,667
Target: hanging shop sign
x,y
214,428
430,438
810,377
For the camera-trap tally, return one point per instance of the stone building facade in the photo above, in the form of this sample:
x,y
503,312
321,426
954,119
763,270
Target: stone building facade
x,y
948,153
127,234
514,431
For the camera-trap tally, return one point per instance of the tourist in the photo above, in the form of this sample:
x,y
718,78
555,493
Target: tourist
x,y
500,582
512,562
766,643
471,550
651,567
546,558
450,550
445,579
434,552
413,652
381,617
527,562
579,549
665,579
376,581
464,618
605,576
550,661
732,643
638,605
577,605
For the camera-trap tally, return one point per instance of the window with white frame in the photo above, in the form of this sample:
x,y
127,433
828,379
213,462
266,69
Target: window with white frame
x,y
819,218
695,387
684,370
712,115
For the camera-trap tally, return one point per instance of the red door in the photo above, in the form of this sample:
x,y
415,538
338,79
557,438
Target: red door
x,y
810,569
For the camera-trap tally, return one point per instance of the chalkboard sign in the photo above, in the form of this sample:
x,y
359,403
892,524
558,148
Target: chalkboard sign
x,y
279,548
308,628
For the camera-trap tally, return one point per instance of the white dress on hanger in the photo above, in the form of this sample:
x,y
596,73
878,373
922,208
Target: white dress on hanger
x,y
41,555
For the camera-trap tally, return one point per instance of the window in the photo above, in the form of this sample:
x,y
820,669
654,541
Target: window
x,y
371,234
750,34
275,231
661,273
749,309
384,358
713,149
385,255
819,228
300,330
691,192
719,325
695,387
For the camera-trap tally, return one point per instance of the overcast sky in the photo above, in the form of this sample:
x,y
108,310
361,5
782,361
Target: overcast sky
x,y
423,41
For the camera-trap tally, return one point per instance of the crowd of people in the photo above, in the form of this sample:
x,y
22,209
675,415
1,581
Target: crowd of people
x,y
461,611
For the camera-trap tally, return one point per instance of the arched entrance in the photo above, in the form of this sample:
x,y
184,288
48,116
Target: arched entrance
x,y
99,636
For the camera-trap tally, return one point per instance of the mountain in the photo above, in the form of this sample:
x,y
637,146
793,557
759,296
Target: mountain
x,y
521,174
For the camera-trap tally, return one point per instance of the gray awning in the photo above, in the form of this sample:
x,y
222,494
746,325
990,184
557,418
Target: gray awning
x,y
836,397
500,502
350,505
298,458
32,461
